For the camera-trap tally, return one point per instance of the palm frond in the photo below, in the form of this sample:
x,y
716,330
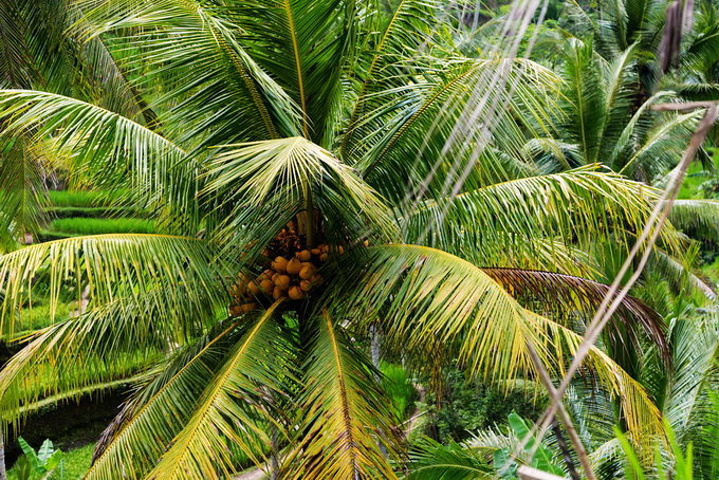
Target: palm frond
x,y
160,409
110,266
418,293
22,192
706,454
112,150
110,79
347,420
412,139
696,346
585,114
16,69
305,45
702,92
27,382
107,342
97,388
679,274
508,251
430,460
233,408
696,217
572,206
549,151
216,83
556,294
291,175
383,65
662,149
635,130
620,77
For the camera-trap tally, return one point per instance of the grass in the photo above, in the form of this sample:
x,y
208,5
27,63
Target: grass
x,y
81,198
91,212
75,464
39,317
99,226
712,270
697,175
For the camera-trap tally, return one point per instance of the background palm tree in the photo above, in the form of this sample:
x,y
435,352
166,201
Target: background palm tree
x,y
285,126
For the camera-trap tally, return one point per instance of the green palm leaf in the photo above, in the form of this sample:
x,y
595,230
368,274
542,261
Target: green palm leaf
x,y
113,151
345,414
16,69
678,272
662,148
619,78
421,120
384,66
305,45
418,293
231,409
160,409
293,174
696,217
571,205
430,460
216,85
22,192
586,113
43,373
696,344
107,342
111,266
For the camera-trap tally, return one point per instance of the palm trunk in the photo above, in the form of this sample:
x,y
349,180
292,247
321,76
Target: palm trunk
x,y
571,467
374,352
374,345
275,454
3,472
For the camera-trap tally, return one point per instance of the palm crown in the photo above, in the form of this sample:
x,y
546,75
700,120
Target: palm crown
x,y
276,128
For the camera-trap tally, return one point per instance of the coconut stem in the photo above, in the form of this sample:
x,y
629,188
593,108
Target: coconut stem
x,y
309,217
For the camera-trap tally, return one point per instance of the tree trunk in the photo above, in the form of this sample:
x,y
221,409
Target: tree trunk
x,y
571,467
374,345
3,473
275,455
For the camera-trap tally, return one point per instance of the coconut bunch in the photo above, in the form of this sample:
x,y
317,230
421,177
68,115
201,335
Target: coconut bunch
x,y
291,271
290,277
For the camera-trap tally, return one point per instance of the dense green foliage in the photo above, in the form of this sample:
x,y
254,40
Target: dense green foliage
x,y
330,189
73,466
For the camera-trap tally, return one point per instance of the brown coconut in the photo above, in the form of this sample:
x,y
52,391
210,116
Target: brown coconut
x,y
296,293
294,266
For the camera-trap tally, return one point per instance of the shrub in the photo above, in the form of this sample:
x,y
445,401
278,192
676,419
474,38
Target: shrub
x,y
398,384
466,406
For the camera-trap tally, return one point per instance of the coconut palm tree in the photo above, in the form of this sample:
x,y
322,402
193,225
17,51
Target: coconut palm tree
x,y
318,169
606,118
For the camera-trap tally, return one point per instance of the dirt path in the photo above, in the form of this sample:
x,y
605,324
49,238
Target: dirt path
x,y
411,423
252,474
